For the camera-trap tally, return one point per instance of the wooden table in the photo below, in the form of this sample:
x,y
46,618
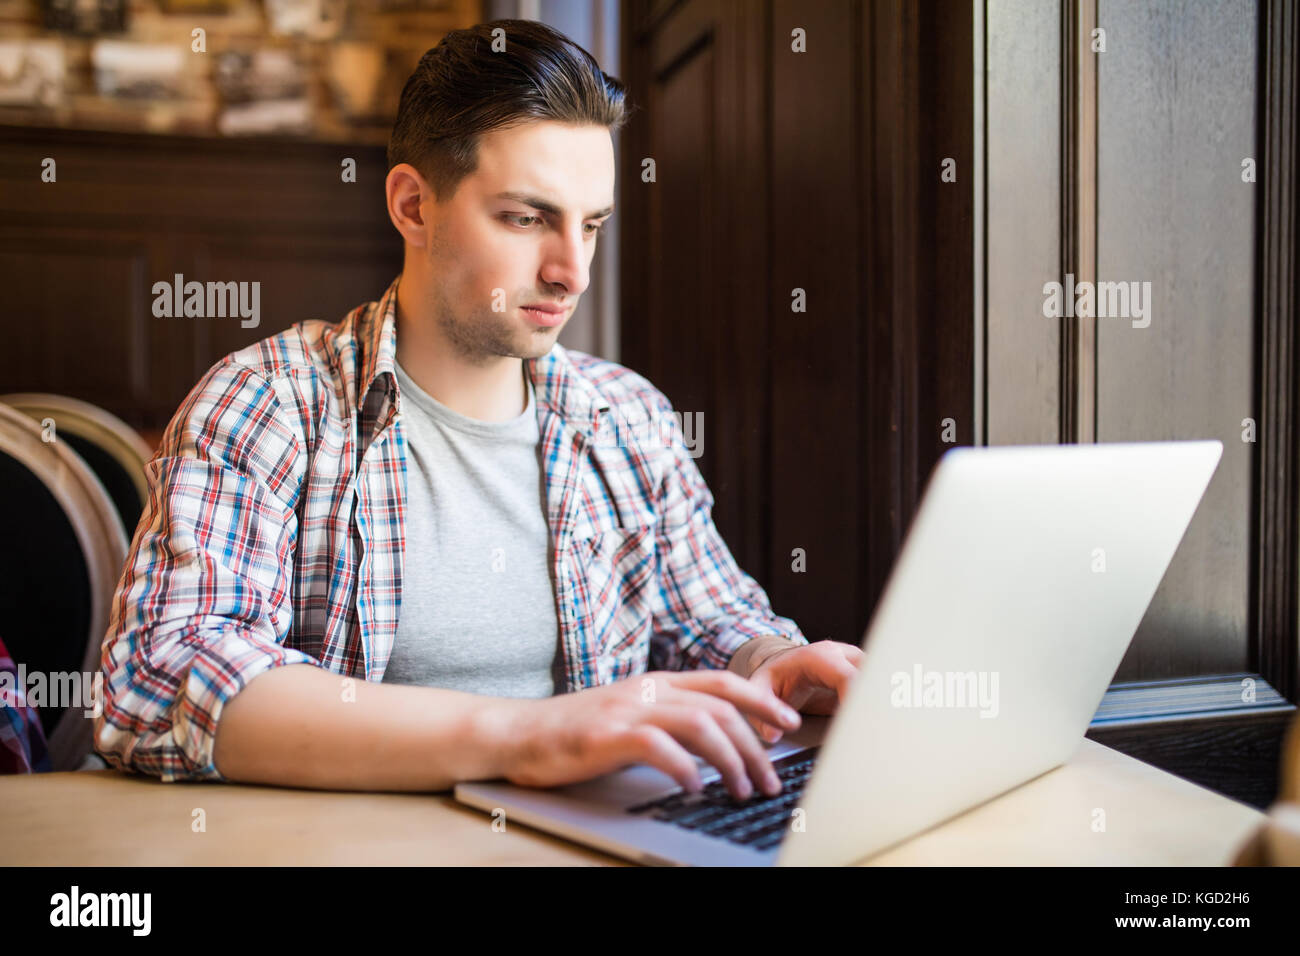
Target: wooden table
x,y
105,818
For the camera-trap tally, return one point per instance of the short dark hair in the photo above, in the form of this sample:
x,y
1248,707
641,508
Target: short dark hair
x,y
461,89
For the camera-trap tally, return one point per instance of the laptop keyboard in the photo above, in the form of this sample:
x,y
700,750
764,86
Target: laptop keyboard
x,y
760,822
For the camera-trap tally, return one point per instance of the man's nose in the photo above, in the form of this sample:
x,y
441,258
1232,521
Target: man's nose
x,y
566,263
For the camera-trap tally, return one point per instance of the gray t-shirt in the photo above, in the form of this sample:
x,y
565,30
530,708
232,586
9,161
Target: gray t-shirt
x,y
478,608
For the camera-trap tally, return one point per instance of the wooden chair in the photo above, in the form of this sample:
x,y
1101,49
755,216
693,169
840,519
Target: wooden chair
x,y
64,550
113,450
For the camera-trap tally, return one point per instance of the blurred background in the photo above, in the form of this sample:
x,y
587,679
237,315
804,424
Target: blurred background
x,y
839,264
208,137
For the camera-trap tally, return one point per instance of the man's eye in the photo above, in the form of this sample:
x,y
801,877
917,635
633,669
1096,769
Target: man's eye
x,y
593,228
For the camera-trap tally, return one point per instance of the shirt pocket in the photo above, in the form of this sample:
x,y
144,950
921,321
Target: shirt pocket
x,y
616,568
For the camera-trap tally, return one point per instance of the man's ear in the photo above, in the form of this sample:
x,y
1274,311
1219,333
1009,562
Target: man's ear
x,y
406,191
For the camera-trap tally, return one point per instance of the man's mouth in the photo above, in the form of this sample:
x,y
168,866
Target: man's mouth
x,y
542,317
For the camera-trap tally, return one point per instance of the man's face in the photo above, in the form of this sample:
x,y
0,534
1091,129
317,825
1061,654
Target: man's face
x,y
519,231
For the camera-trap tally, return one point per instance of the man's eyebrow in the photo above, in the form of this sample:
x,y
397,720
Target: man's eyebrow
x,y
537,202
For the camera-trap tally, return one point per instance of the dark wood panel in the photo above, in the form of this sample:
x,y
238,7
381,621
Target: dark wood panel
x,y
817,171
681,296
191,184
1236,755
748,445
82,254
945,234
78,310
291,286
696,305
1275,567
817,356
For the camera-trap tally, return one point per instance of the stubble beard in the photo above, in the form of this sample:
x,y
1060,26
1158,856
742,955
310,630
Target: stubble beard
x,y
483,336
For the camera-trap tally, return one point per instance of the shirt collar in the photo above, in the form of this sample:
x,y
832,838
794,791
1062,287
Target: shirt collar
x,y
559,385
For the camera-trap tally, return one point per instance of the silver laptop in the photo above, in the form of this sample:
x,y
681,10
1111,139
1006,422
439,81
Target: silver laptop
x,y
1021,583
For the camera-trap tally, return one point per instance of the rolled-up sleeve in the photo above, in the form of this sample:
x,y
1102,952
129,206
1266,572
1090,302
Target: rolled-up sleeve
x,y
204,601
707,607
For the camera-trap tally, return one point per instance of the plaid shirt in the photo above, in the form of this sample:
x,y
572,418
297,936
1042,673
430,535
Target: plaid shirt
x,y
274,535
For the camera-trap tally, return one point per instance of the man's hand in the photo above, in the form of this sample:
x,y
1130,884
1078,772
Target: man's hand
x,y
811,678
657,718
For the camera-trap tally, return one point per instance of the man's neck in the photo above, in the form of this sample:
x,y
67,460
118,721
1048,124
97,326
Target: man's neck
x,y
493,391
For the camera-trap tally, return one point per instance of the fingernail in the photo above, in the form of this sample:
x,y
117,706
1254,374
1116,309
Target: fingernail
x,y
771,734
791,717
744,791
773,783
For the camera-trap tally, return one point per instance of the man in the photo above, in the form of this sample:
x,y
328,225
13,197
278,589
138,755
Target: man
x,y
428,544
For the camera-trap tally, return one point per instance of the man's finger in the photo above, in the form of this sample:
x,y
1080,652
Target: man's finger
x,y
814,676
852,653
749,697
739,729
761,727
